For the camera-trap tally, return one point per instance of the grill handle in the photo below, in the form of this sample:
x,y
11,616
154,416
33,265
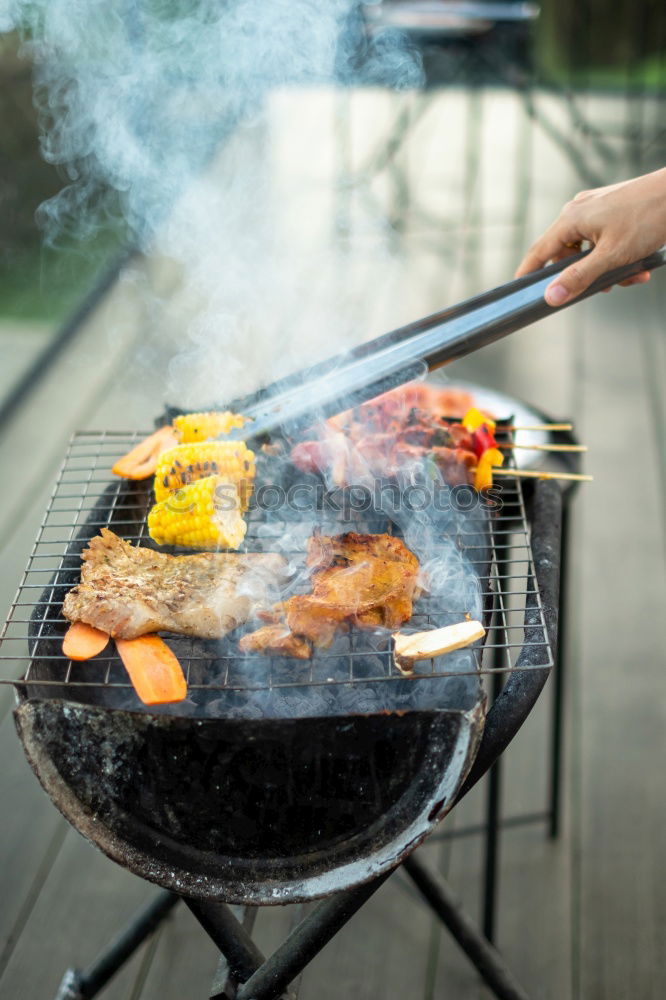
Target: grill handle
x,y
435,340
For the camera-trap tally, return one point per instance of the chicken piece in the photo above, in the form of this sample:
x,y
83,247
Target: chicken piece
x,y
364,580
314,618
276,640
129,591
360,572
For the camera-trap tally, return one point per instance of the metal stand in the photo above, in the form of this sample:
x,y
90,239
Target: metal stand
x,y
559,683
493,820
247,974
493,825
485,959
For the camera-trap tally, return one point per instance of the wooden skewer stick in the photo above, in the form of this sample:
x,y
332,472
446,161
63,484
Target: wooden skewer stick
x,y
545,447
573,477
537,427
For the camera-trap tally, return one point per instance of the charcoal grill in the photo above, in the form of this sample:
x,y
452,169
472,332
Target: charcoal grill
x,y
383,776
254,810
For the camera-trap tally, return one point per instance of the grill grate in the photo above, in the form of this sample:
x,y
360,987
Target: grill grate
x,y
88,497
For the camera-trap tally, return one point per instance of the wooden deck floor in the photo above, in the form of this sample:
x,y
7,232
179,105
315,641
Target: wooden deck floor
x,y
580,918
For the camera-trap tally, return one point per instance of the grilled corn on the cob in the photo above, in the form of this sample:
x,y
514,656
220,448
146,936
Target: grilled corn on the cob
x,y
187,463
202,515
191,427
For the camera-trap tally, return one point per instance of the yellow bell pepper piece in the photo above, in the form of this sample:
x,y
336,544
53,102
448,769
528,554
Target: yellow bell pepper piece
x,y
483,478
474,419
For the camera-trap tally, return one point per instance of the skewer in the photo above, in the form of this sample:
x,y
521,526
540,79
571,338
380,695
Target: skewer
x,y
574,477
544,447
537,427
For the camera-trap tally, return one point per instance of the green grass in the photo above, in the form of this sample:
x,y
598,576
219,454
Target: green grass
x,y
608,66
47,284
647,75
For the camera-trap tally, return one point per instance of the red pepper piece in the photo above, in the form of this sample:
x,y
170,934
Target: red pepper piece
x,y
483,439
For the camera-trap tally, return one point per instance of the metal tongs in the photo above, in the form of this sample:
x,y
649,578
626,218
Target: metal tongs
x,y
408,353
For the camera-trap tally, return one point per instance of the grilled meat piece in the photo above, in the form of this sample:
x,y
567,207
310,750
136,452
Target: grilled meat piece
x,y
365,580
383,436
276,640
314,618
363,574
128,591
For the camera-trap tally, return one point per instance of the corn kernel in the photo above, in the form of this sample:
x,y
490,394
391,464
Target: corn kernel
x,y
186,463
193,427
204,514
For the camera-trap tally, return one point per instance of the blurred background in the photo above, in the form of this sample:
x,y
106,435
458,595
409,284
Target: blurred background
x,y
588,76
386,203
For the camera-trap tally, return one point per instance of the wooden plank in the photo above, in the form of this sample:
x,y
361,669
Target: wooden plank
x,y
182,963
84,901
40,879
460,863
534,899
20,343
379,953
13,558
31,834
621,697
61,399
653,343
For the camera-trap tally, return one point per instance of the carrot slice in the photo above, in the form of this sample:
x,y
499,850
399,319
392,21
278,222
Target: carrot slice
x,y
82,641
154,670
141,461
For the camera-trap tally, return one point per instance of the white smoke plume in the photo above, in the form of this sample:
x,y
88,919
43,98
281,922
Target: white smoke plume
x,y
157,110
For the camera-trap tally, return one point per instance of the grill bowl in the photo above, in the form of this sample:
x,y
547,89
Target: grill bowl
x,y
254,811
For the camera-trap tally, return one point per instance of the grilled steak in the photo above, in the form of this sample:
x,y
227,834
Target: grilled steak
x,y
365,580
128,591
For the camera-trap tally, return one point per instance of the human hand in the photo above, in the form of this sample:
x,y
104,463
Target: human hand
x,y
624,222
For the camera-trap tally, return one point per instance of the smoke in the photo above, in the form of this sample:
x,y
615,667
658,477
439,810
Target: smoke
x,y
160,113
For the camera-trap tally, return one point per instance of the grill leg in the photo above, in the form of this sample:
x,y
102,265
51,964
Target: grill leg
x,y
492,836
77,985
306,941
493,799
224,984
485,959
231,937
558,683
265,979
